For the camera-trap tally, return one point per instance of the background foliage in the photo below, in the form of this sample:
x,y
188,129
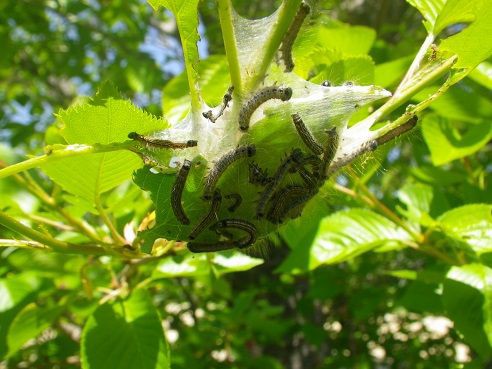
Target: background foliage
x,y
392,268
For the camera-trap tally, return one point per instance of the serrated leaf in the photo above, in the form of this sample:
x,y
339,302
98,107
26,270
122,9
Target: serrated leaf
x,y
109,121
471,224
472,313
29,323
126,334
186,14
446,143
347,234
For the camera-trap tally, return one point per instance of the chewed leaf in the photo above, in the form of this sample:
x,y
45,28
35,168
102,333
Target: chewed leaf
x,y
107,122
186,14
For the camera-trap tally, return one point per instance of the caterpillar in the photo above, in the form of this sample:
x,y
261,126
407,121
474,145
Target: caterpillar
x,y
177,192
225,103
197,247
306,135
263,95
330,149
237,201
290,36
209,217
286,200
279,175
222,164
240,224
155,143
309,179
257,175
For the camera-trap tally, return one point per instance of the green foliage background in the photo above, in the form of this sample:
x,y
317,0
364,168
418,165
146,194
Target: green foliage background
x,y
398,242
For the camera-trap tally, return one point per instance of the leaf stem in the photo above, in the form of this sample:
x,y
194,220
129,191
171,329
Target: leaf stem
x,y
56,245
22,243
55,152
416,62
112,229
230,45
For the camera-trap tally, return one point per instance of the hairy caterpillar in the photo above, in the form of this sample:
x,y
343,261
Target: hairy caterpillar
x,y
222,164
306,135
263,95
225,103
279,175
237,201
155,143
211,246
290,36
177,192
257,175
285,200
242,225
209,217
331,148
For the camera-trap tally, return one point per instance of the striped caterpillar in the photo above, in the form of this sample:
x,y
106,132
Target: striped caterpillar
x,y
197,247
177,192
287,199
279,175
263,95
331,148
237,201
242,225
291,35
306,136
258,176
209,217
222,164
155,143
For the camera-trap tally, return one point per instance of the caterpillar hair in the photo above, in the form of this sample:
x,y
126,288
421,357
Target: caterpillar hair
x,y
237,201
291,35
209,217
287,199
257,175
240,224
330,149
198,247
306,136
397,131
155,143
222,164
225,103
279,175
263,95
177,193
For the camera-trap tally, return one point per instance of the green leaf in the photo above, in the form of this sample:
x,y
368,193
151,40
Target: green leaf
x,y
109,121
482,74
439,14
29,323
356,69
418,198
474,319
472,45
191,265
186,14
390,73
15,293
446,143
347,234
471,224
214,82
126,334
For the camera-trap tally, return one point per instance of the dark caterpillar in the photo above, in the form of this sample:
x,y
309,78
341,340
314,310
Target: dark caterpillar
x,y
177,192
306,136
197,247
287,199
237,201
291,35
279,175
155,143
222,164
331,148
263,95
209,217
240,224
258,176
